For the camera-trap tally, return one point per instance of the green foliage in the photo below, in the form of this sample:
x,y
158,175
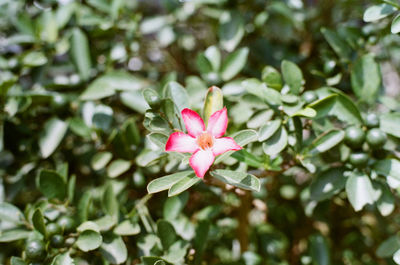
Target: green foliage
x,y
90,92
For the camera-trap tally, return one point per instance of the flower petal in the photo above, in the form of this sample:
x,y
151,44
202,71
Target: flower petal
x,y
218,122
193,122
181,142
224,144
201,161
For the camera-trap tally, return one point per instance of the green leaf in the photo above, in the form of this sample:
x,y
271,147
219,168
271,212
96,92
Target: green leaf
x,y
17,261
71,188
166,182
14,234
203,64
319,250
63,259
89,240
323,106
88,225
293,76
79,127
127,228
174,205
110,202
153,261
151,96
183,184
388,247
268,95
80,53
52,184
105,223
366,78
388,167
231,30
166,233
248,158
153,24
276,143
242,138
200,240
113,249
377,12
326,141
390,123
272,78
385,202
33,59
306,112
178,95
234,63
359,190
100,160
214,57
245,137
327,184
337,43
83,206
118,167
345,109
396,257
135,101
52,135
238,179
10,213
38,222
395,27
108,84
159,139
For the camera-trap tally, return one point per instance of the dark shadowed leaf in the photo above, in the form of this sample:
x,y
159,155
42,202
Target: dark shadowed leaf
x,y
52,184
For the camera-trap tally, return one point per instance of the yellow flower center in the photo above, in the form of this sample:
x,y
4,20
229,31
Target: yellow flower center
x,y
205,140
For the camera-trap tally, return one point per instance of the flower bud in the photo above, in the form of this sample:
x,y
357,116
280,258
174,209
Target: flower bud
x,y
214,101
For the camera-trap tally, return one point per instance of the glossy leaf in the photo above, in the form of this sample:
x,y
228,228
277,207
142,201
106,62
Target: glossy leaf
x,y
183,184
390,123
166,182
292,76
118,167
359,190
366,78
11,213
388,167
276,143
377,12
52,135
89,240
234,63
100,160
38,222
80,53
327,184
337,43
113,249
326,141
395,27
239,179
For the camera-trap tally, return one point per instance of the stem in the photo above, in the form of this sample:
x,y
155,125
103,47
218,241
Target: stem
x,y
243,217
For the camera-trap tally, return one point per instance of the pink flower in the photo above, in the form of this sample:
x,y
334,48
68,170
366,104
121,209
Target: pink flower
x,y
204,144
